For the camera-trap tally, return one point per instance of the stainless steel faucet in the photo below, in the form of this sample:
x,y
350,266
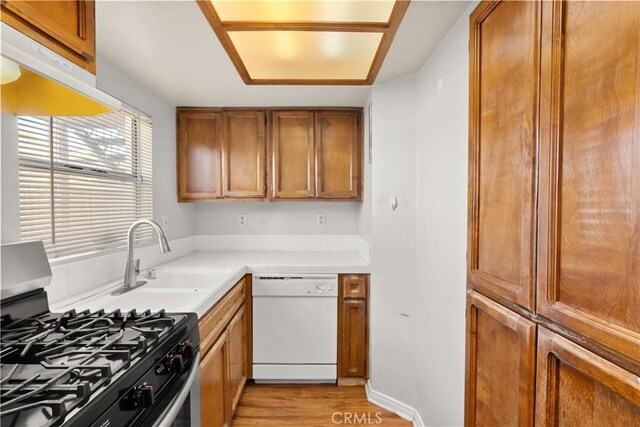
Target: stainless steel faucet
x,y
133,265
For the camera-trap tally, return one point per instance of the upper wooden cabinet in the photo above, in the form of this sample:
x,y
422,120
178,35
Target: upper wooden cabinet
x,y
199,155
293,154
579,388
65,27
500,365
312,154
244,154
589,203
338,154
504,62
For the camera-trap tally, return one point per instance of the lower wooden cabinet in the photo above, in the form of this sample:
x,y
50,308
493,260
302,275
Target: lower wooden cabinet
x,y
237,357
500,365
507,369
575,387
353,329
225,345
213,384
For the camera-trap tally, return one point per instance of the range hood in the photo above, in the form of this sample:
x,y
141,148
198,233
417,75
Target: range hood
x,y
46,83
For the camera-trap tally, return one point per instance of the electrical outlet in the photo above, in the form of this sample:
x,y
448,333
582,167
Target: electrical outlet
x,y
322,220
242,220
165,223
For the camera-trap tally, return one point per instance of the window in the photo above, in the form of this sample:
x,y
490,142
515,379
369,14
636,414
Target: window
x,y
84,180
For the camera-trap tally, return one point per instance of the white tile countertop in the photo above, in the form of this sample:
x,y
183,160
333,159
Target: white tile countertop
x,y
186,291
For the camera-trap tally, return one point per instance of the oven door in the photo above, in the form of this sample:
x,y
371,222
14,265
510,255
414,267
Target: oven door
x,y
183,410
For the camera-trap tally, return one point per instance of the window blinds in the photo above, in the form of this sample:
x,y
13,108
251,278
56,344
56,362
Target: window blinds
x,y
84,180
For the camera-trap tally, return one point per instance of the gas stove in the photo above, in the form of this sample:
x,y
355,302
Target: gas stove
x,y
83,368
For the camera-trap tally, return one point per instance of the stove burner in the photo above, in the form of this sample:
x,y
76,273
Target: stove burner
x,y
54,363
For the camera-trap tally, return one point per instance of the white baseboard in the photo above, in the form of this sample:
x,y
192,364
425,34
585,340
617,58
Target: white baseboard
x,y
401,409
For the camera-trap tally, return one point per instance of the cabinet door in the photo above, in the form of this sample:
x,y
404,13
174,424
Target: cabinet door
x,y
504,58
589,226
338,152
66,27
214,377
353,347
500,365
237,356
199,148
578,388
293,155
244,154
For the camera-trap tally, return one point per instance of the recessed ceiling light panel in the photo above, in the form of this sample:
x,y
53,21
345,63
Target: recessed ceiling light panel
x,y
306,55
304,11
308,41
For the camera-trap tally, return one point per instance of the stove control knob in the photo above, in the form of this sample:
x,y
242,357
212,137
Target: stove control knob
x,y
186,349
175,364
143,396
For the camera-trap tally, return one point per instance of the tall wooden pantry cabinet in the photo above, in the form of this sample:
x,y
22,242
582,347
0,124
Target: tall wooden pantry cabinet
x,y
553,301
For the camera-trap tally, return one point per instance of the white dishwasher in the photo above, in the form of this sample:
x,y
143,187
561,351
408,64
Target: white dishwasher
x,y
295,327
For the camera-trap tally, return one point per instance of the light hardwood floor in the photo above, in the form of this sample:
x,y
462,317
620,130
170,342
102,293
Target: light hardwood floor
x,y
310,405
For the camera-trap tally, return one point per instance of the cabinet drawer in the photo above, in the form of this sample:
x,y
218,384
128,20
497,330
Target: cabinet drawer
x,y
216,320
354,286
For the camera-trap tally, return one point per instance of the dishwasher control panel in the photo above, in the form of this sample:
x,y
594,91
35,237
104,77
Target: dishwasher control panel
x,y
321,285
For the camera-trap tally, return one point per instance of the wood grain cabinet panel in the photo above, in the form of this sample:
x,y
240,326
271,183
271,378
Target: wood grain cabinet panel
x,y
500,365
353,329
504,58
354,286
293,154
214,392
237,356
225,346
589,224
65,27
244,148
338,154
199,155
578,388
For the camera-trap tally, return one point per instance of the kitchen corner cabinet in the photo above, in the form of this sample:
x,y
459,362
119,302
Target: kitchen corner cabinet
x,y
65,27
270,154
353,329
244,154
554,211
225,346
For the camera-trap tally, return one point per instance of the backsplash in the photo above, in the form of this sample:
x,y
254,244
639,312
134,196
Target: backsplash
x,y
283,242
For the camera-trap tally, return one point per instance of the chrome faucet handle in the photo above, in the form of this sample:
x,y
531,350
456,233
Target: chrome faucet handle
x,y
137,265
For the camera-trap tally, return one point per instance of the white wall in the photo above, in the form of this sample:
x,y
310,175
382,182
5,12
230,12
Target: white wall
x,y
364,211
418,251
9,180
275,217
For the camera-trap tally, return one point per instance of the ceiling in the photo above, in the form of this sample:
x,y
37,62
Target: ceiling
x,y
169,47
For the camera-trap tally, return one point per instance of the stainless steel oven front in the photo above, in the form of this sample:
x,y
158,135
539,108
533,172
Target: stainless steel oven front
x,y
183,407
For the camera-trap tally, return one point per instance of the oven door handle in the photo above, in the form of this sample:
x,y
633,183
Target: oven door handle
x,y
170,414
